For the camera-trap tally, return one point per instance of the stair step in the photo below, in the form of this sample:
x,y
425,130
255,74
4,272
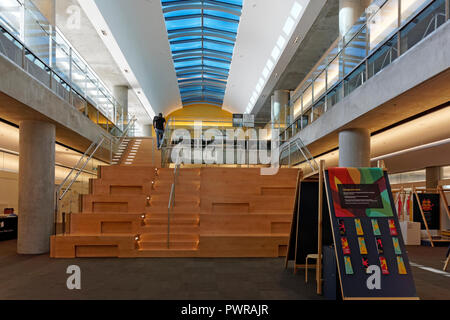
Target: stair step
x,y
162,245
174,237
174,228
175,210
179,197
176,220
177,203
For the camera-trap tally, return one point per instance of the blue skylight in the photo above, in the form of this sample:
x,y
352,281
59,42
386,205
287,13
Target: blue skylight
x,y
202,35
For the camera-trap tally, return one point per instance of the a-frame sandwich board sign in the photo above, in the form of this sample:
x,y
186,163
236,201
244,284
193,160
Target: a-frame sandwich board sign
x,y
371,256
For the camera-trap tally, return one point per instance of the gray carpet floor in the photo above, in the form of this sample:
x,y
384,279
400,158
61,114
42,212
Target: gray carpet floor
x,y
39,277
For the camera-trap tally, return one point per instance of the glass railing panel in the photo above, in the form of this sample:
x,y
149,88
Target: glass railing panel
x,y
47,48
11,16
334,96
424,24
320,85
383,23
383,57
37,68
78,79
355,29
37,32
334,72
307,98
10,47
412,7
78,102
307,118
355,79
355,52
318,109
297,107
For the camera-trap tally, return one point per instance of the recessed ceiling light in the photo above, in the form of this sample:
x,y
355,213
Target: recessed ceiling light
x,y
104,33
126,70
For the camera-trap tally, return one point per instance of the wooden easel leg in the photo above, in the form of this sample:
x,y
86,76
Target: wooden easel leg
x,y
444,199
320,229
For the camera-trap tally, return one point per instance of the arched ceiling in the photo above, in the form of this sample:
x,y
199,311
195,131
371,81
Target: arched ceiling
x,y
181,52
202,35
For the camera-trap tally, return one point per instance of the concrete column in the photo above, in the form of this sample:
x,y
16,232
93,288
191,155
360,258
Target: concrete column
x,y
121,95
280,106
349,13
36,186
433,175
354,148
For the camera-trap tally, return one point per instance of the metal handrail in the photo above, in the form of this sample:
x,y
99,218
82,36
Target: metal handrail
x,y
304,151
172,197
88,155
119,140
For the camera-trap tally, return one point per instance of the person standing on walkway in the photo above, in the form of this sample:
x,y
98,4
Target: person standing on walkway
x,y
159,124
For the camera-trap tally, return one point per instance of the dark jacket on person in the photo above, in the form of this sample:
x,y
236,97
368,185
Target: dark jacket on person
x,y
158,122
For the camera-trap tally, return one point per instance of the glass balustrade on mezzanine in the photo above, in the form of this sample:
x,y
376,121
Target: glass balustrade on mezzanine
x,y
217,142
384,32
223,143
30,41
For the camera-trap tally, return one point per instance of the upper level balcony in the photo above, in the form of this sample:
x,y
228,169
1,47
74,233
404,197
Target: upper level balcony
x,y
386,31
40,49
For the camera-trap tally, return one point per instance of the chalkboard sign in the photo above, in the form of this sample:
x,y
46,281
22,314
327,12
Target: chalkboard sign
x,y
431,209
305,224
371,256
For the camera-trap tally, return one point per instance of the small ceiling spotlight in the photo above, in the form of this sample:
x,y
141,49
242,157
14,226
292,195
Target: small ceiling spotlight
x,y
104,33
126,70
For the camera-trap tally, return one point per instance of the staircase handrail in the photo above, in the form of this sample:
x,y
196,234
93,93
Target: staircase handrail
x,y
304,151
172,196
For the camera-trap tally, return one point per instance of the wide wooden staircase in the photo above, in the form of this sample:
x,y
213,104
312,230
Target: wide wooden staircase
x,y
217,212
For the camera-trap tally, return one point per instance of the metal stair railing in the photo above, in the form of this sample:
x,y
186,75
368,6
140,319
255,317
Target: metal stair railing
x,y
300,146
119,140
172,197
73,175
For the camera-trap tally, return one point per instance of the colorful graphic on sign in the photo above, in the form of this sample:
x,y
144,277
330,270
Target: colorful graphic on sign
x,y
376,227
341,227
362,245
379,245
392,227
384,266
401,266
397,248
430,203
358,226
345,246
359,192
348,265
365,263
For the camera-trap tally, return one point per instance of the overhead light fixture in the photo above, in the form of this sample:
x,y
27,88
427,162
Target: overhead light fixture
x,y
276,53
104,33
288,26
296,10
